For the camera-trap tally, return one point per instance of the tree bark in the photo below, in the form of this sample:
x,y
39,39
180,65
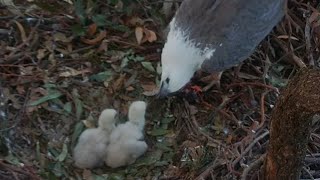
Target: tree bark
x,y
290,126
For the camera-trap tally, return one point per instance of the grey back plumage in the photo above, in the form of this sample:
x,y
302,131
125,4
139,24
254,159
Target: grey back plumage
x,y
234,28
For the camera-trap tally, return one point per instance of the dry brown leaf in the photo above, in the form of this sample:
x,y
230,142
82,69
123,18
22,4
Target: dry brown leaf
x,y
167,8
288,37
60,37
103,46
68,1
52,59
41,54
92,29
132,21
49,45
139,34
152,92
229,139
147,35
26,70
35,94
173,171
254,126
126,98
62,51
150,35
130,88
89,123
314,16
69,72
193,110
149,86
119,5
22,31
11,7
247,76
118,84
20,89
87,174
96,40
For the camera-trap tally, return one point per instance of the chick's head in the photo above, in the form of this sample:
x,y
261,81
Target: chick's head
x,y
137,112
107,119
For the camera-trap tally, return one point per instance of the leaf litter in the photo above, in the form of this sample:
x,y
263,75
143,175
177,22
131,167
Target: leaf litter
x,y
60,67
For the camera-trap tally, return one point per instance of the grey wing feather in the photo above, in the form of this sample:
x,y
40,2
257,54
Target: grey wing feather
x,y
234,28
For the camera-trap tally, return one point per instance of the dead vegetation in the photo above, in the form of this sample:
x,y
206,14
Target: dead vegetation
x,y
61,63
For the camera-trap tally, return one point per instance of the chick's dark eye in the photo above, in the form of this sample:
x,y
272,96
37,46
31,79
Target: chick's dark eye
x,y
167,80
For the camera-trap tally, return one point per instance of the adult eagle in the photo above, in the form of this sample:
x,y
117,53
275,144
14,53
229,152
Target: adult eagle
x,y
214,35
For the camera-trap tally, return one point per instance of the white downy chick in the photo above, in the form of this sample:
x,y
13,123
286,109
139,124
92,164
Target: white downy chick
x,y
93,142
126,141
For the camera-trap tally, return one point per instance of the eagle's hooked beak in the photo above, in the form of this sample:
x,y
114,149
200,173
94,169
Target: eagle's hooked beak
x,y
163,92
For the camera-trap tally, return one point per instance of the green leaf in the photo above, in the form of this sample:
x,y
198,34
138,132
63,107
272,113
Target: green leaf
x,y
78,30
121,28
113,2
149,158
169,155
163,147
52,176
113,176
148,66
102,76
158,132
116,177
138,58
99,19
68,107
277,82
79,108
62,156
52,95
161,163
38,153
80,11
49,86
97,177
12,159
78,103
58,169
124,62
167,120
159,68
76,133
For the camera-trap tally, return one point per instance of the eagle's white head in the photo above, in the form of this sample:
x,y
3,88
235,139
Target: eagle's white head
x,y
180,59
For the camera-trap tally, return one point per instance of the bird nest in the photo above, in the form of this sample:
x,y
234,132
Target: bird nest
x,y
61,64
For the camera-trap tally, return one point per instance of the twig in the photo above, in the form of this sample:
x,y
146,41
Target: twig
x,y
3,106
115,39
26,41
15,169
208,171
298,61
249,148
262,109
313,160
254,84
251,166
20,113
225,101
308,172
307,30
